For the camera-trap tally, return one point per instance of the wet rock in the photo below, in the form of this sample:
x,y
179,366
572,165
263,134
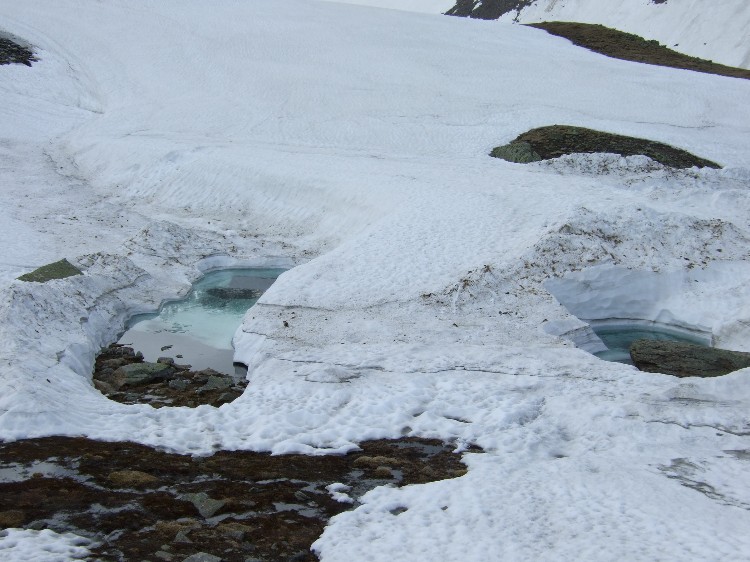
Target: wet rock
x,y
178,384
132,478
217,383
686,360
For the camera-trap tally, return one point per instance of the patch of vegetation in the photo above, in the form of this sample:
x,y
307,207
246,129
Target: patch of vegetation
x,y
554,141
13,53
627,46
57,270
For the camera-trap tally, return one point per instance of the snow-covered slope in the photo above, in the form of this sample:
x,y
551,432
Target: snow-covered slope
x,y
716,31
166,137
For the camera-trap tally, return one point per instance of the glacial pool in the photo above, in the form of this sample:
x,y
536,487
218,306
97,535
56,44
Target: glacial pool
x,y
198,329
619,337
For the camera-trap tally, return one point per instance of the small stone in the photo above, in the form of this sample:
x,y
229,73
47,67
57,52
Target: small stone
x,y
202,557
166,347
165,360
182,537
131,478
205,505
161,555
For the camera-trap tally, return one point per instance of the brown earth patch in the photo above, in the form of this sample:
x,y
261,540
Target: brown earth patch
x,y
139,503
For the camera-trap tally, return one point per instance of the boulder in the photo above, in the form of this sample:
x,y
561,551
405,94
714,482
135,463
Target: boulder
x,y
686,359
137,374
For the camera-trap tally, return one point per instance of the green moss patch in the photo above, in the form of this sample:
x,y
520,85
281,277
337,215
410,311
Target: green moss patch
x,y
58,270
627,46
554,141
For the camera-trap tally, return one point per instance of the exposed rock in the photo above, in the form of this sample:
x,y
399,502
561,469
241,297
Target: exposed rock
x,y
165,360
132,478
685,359
205,505
137,374
13,53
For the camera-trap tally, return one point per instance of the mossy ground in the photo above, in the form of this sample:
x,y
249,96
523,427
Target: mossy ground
x,y
138,503
57,270
557,140
627,46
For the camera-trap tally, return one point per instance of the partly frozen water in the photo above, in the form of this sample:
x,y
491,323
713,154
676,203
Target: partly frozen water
x,y
619,337
200,327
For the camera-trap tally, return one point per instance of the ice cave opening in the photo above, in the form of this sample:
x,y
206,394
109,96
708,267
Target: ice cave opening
x,y
615,306
198,329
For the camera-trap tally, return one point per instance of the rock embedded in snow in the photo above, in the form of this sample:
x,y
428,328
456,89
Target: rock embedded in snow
x,y
685,359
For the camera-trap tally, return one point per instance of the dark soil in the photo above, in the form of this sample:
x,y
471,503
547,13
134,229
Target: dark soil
x,y
554,141
13,53
139,503
627,46
176,386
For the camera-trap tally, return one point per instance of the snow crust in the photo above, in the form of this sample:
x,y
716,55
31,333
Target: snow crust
x,y
352,143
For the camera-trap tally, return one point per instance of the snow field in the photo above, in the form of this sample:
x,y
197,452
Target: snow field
x,y
354,143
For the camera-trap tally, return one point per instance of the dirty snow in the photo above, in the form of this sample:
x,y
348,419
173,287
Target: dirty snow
x,y
158,140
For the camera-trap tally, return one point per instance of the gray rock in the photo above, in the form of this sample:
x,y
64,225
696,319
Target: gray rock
x,y
178,384
165,360
138,373
685,359
205,505
202,557
216,383
518,152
